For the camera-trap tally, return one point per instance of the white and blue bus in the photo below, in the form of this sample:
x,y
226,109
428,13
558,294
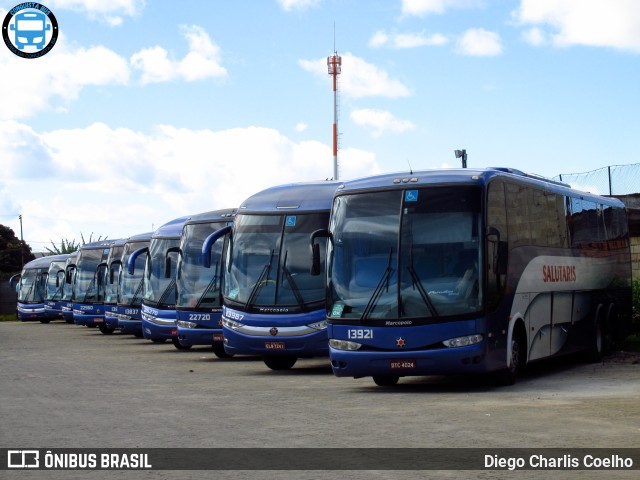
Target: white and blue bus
x,y
199,289
31,285
55,287
129,318
110,283
159,285
272,305
472,271
87,289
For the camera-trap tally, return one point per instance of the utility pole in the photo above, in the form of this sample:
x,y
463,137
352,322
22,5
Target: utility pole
x,y
21,242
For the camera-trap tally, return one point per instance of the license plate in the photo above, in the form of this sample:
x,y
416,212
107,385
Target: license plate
x,y
275,345
402,364
218,337
98,320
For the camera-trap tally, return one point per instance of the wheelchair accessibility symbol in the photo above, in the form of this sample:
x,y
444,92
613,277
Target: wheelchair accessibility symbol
x,y
411,196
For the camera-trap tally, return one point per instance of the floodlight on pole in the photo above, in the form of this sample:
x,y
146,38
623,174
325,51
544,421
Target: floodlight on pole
x,y
462,154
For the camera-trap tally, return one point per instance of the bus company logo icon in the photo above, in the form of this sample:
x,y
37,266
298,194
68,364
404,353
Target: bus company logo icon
x,y
273,331
23,458
400,343
30,30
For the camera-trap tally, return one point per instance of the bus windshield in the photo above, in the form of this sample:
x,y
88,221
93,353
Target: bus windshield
x,y
199,286
112,273
55,280
411,254
159,289
269,264
32,285
130,286
88,280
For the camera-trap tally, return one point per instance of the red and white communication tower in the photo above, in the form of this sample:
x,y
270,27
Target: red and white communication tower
x,y
334,62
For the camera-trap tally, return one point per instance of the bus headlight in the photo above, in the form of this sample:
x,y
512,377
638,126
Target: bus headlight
x,y
231,324
322,325
185,324
344,344
462,341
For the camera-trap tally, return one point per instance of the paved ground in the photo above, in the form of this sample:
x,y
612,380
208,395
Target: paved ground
x,y
67,386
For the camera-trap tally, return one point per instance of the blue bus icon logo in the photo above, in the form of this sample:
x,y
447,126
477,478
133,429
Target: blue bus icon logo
x,y
30,30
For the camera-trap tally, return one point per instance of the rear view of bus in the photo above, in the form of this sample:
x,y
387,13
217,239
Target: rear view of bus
x,y
472,271
199,289
273,306
129,298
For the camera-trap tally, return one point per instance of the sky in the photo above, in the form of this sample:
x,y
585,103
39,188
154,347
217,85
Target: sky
x,y
148,110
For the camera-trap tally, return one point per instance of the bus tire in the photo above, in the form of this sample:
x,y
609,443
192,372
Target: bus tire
x,y
597,341
218,351
280,363
386,380
178,345
106,330
510,375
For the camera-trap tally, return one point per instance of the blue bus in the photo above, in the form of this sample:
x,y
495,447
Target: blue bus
x,y
87,288
199,290
66,304
31,285
472,271
159,286
273,307
55,287
112,271
129,317
30,29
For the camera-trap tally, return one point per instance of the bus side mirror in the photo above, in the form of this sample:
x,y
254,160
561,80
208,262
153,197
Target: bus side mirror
x,y
131,262
69,274
315,251
167,261
500,251
207,245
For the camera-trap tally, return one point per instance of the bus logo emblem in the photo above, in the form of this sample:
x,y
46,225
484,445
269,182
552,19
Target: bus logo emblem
x,y
273,331
30,30
400,343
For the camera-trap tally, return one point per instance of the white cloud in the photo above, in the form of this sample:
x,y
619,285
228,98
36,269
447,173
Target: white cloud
x,y
290,5
406,40
359,78
301,127
61,74
478,42
116,181
380,121
426,7
202,61
611,23
109,12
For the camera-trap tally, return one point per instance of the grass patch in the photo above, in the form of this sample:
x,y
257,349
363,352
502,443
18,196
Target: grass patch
x,y
631,344
9,317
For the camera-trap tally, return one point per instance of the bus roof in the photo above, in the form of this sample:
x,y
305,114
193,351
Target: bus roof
x,y
172,229
96,245
225,214
140,237
469,176
308,196
44,262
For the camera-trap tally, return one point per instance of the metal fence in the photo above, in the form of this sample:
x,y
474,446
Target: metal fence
x,y
612,180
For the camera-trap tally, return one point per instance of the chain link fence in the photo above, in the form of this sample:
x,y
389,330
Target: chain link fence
x,y
612,180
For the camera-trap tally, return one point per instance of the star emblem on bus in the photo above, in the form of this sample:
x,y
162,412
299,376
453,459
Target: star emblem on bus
x,y
400,343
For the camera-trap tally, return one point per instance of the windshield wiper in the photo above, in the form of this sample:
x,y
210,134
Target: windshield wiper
x,y
294,287
167,291
262,279
212,284
375,296
137,292
90,287
418,284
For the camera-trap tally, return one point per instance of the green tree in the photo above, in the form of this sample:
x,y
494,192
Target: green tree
x,y
13,252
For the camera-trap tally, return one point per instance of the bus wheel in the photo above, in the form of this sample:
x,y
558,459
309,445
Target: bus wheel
x,y
218,350
385,380
106,330
158,340
280,363
509,375
597,347
178,345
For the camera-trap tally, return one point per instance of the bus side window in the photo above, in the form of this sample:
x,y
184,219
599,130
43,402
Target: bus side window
x,y
496,252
